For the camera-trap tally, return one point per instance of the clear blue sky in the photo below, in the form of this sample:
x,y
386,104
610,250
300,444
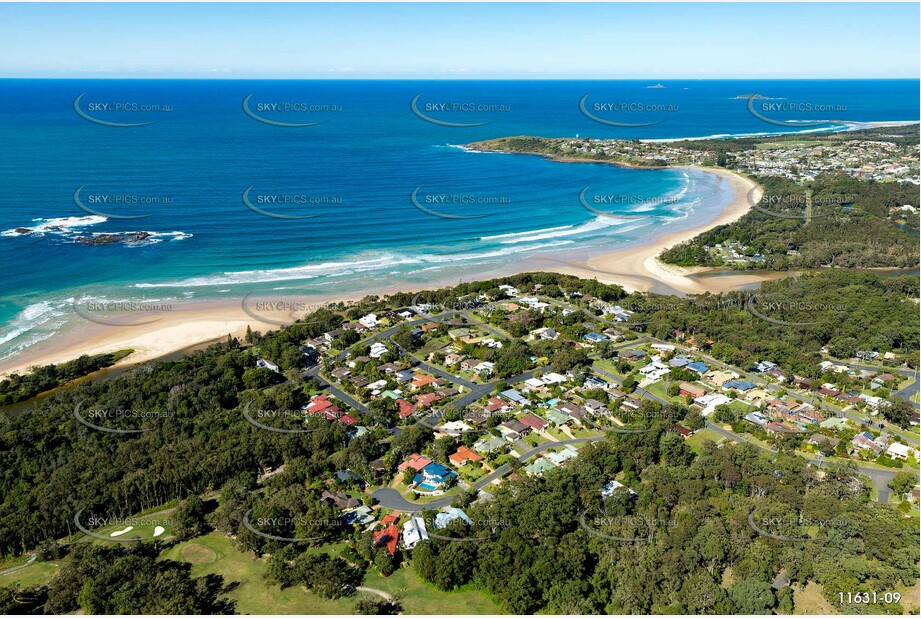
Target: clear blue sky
x,y
460,41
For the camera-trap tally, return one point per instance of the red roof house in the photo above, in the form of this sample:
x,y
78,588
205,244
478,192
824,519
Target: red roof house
x,y
463,455
414,461
389,536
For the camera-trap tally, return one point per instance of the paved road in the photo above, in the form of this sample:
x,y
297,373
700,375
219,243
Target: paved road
x,y
880,478
391,498
314,372
27,563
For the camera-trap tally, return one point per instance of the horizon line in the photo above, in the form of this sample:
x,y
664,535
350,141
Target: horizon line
x,y
455,79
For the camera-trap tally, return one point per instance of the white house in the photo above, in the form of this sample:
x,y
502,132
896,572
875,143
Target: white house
x,y
897,450
378,349
369,321
611,486
485,367
266,364
455,428
414,531
710,402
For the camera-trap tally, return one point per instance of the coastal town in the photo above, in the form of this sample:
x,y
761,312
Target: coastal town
x,y
497,415
800,160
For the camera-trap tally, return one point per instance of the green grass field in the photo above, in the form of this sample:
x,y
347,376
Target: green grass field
x,y
215,553
697,439
36,574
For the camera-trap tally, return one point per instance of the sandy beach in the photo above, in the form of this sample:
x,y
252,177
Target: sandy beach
x,y
635,269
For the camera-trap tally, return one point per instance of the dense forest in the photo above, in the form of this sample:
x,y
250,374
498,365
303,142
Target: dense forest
x,y
849,226
684,544
18,388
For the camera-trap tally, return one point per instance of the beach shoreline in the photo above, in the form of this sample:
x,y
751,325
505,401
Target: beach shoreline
x,y
636,269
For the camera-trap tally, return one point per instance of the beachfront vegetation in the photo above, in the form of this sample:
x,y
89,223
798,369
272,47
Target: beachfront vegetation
x,y
18,388
847,224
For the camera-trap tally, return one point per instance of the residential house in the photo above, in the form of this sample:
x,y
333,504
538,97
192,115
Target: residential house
x,y
414,462
897,450
454,428
632,355
740,386
389,537
414,532
556,417
864,442
533,422
818,439
513,430
612,486
421,380
433,477
558,458
709,403
593,406
359,516
690,390
369,321
539,466
339,500
263,363
495,405
406,408
378,349
463,456
425,401
514,396
546,334
450,514
340,373
488,444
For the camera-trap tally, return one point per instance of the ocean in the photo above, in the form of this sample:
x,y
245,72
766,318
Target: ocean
x,y
327,187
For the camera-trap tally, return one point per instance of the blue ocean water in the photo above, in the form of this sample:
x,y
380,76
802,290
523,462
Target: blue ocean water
x,y
344,186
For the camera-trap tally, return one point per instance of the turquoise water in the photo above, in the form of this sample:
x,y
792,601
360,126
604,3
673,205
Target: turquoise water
x,y
348,180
